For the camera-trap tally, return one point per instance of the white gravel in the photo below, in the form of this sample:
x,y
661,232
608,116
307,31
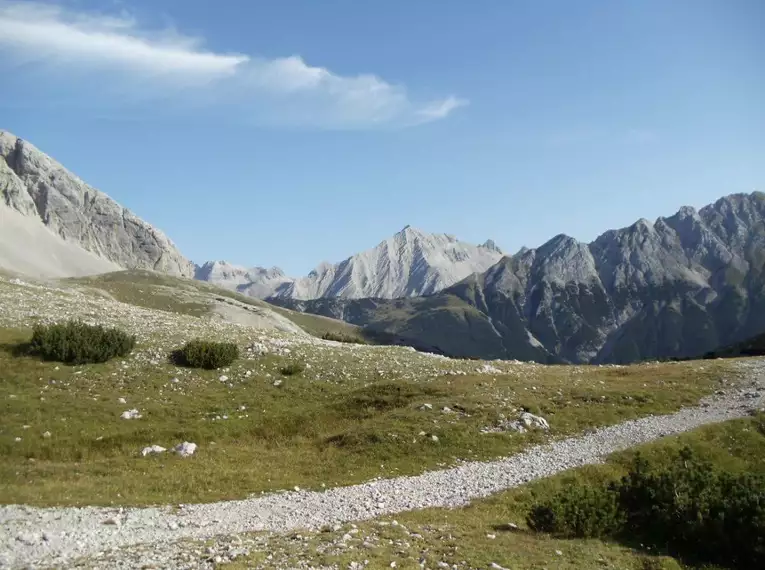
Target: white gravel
x,y
55,536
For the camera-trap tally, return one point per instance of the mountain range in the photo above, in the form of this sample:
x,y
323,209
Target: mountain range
x,y
680,286
409,264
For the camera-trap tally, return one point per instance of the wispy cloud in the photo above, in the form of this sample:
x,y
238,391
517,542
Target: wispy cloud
x,y
282,90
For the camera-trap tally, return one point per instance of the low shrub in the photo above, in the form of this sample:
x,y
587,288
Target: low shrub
x,y
75,342
342,337
292,369
689,508
588,512
206,354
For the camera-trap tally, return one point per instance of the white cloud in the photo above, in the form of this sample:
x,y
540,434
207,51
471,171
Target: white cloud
x,y
284,90
440,109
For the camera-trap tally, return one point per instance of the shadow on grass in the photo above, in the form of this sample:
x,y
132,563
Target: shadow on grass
x,y
177,358
18,349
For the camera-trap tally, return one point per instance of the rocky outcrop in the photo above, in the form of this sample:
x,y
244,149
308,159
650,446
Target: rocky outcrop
x,y
678,287
410,263
36,187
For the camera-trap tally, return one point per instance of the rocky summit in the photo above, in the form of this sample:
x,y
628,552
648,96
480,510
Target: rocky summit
x,y
55,225
678,287
410,263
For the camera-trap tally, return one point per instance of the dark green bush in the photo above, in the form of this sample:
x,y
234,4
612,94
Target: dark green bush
x,y
292,369
579,511
697,510
206,354
690,508
75,342
342,337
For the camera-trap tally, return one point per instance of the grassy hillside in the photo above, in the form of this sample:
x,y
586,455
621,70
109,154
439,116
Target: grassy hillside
x,y
354,412
442,324
190,297
349,417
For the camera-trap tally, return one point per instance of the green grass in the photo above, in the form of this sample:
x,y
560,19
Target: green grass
x,y
354,413
478,535
149,290
319,326
190,297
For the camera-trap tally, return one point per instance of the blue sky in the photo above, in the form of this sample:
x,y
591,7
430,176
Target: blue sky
x,y
287,133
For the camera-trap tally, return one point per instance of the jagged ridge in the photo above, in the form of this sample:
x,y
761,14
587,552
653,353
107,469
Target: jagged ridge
x,y
36,187
678,287
410,263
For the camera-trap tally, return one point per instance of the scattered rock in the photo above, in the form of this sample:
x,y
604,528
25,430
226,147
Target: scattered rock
x,y
185,449
525,422
131,415
152,449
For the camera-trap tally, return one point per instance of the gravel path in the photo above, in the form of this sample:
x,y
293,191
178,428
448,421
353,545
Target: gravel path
x,y
55,536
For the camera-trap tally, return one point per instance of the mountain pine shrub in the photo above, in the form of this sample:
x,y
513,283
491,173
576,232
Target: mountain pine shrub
x,y
690,508
581,511
343,337
206,354
75,342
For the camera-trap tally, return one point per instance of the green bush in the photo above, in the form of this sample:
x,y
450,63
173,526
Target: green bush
x,y
342,337
206,354
580,511
75,342
689,508
292,369
697,510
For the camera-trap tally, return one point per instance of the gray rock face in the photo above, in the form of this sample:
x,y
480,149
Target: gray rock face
x,y
410,263
678,287
39,188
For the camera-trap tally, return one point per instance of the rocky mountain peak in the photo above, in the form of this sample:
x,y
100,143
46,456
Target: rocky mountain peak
x,y
409,263
687,212
77,229
491,246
